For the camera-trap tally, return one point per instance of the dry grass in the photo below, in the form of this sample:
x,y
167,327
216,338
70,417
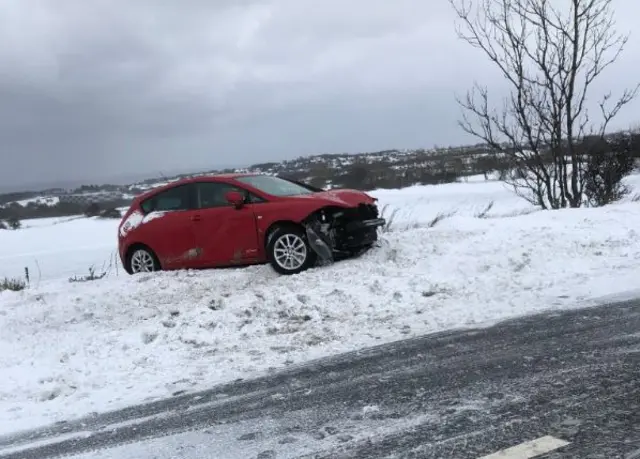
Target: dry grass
x,y
484,212
14,285
389,219
440,217
92,276
391,224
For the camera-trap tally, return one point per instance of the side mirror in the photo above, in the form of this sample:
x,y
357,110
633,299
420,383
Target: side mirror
x,y
235,198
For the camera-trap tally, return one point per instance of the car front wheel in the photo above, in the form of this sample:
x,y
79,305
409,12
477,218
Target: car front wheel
x,y
289,251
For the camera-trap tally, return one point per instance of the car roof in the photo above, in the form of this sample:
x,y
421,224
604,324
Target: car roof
x,y
195,178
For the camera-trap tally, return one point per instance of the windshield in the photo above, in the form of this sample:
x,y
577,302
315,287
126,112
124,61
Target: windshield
x,y
274,186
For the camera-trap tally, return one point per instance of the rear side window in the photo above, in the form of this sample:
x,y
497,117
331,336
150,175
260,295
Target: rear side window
x,y
173,199
213,194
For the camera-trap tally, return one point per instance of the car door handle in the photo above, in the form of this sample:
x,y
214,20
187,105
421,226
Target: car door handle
x,y
195,218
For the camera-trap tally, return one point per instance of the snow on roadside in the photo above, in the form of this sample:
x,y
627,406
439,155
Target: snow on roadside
x,y
67,349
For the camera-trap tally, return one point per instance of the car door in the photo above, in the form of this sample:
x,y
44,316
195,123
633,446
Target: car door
x,y
227,235
168,227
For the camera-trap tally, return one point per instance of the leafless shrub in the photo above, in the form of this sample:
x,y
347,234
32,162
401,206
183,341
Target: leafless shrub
x,y
14,223
606,170
92,210
111,212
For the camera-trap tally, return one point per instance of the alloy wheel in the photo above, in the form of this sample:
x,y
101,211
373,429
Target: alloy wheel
x,y
290,251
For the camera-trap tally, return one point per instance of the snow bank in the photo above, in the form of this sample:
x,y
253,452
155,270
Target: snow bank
x,y
67,349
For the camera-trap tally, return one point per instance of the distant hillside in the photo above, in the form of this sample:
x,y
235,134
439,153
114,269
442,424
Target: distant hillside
x,y
365,171
382,169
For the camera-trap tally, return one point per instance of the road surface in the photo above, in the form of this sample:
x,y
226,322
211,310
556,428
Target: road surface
x,y
569,382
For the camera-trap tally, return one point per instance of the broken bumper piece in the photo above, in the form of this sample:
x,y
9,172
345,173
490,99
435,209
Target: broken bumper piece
x,y
319,246
365,224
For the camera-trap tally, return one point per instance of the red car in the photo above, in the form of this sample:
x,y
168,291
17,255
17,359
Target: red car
x,y
242,219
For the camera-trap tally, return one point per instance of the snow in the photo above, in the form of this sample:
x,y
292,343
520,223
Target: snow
x,y
58,248
69,349
40,200
131,222
137,218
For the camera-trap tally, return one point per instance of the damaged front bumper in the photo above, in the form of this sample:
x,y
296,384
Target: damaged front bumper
x,y
364,224
347,237
360,233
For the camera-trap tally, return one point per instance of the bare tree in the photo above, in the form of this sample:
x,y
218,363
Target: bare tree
x,y
550,56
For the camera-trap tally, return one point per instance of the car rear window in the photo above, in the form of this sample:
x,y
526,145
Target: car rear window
x,y
176,198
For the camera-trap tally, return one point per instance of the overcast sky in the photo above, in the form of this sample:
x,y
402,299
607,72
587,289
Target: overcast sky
x,y
95,89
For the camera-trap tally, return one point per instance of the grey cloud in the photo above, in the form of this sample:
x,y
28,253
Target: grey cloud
x,y
100,88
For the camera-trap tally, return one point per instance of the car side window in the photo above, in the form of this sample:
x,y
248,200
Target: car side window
x,y
252,198
213,194
173,199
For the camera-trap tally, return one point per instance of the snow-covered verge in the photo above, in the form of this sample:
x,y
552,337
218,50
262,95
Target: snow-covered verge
x,y
67,349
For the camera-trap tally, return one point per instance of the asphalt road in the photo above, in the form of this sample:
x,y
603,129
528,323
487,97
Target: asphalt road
x,y
574,376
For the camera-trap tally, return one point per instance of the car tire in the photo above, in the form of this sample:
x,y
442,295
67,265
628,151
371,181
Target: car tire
x,y
288,250
141,259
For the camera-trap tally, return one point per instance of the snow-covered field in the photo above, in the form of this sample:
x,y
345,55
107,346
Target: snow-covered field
x,y
57,248
68,349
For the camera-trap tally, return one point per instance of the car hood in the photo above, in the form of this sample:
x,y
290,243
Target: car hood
x,y
344,198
